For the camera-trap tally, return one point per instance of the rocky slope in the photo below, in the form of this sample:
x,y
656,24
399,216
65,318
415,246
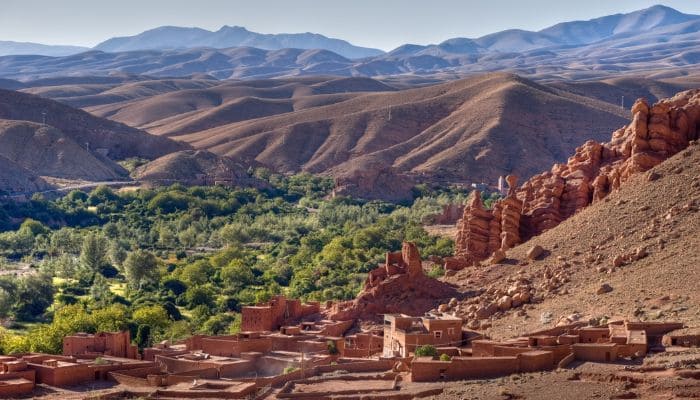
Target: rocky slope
x,y
362,131
655,134
632,255
16,179
468,130
46,151
119,140
195,167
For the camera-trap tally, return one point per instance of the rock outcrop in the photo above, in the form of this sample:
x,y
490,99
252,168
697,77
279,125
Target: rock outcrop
x,y
397,286
596,169
483,232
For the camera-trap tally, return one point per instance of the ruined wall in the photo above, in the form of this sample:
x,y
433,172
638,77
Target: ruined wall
x,y
596,169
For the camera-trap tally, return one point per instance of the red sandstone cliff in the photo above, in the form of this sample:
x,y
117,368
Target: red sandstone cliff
x,y
655,134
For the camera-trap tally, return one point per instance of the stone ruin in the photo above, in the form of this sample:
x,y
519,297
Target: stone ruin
x,y
596,169
397,286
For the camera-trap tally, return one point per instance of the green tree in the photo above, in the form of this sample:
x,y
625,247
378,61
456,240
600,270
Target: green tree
x,y
153,316
99,291
34,295
93,255
140,267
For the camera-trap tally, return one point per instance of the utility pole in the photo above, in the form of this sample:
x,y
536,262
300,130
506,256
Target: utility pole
x,y
623,102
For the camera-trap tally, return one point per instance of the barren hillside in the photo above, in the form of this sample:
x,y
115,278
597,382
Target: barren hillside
x,y
16,179
472,129
46,151
119,140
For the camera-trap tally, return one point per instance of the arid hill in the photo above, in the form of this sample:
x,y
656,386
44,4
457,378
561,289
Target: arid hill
x,y
46,151
468,130
119,140
656,213
195,167
626,246
16,179
376,140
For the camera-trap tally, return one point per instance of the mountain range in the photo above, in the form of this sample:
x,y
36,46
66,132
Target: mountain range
x,y
657,41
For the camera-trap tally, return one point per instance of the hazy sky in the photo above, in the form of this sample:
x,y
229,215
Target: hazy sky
x,y
383,24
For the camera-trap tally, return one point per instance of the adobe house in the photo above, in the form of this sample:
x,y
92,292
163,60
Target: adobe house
x,y
273,314
15,377
363,344
165,349
59,371
403,334
682,337
114,344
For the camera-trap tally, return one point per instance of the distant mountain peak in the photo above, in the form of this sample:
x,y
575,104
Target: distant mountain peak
x,y
164,38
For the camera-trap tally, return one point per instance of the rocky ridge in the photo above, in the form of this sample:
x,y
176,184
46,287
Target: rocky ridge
x,y
596,169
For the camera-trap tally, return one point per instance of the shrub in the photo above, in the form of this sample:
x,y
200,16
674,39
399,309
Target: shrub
x,y
332,348
436,272
289,370
426,351
445,357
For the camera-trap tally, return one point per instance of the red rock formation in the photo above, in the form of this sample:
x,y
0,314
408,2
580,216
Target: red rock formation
x,y
481,232
397,286
596,169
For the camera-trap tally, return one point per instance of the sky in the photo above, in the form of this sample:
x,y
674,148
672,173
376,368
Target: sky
x,y
383,24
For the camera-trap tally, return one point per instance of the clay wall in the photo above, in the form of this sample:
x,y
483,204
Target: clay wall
x,y
149,354
63,375
598,352
484,348
233,347
425,369
257,319
594,335
15,387
239,368
28,374
532,361
115,344
337,328
653,328
685,340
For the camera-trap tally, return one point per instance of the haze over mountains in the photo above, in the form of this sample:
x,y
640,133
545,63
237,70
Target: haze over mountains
x,y
656,41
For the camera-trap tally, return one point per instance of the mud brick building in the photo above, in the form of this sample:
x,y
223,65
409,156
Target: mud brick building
x,y
403,334
275,313
114,344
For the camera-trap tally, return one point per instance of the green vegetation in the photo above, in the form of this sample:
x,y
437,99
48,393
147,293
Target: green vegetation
x,y
426,351
169,262
445,357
